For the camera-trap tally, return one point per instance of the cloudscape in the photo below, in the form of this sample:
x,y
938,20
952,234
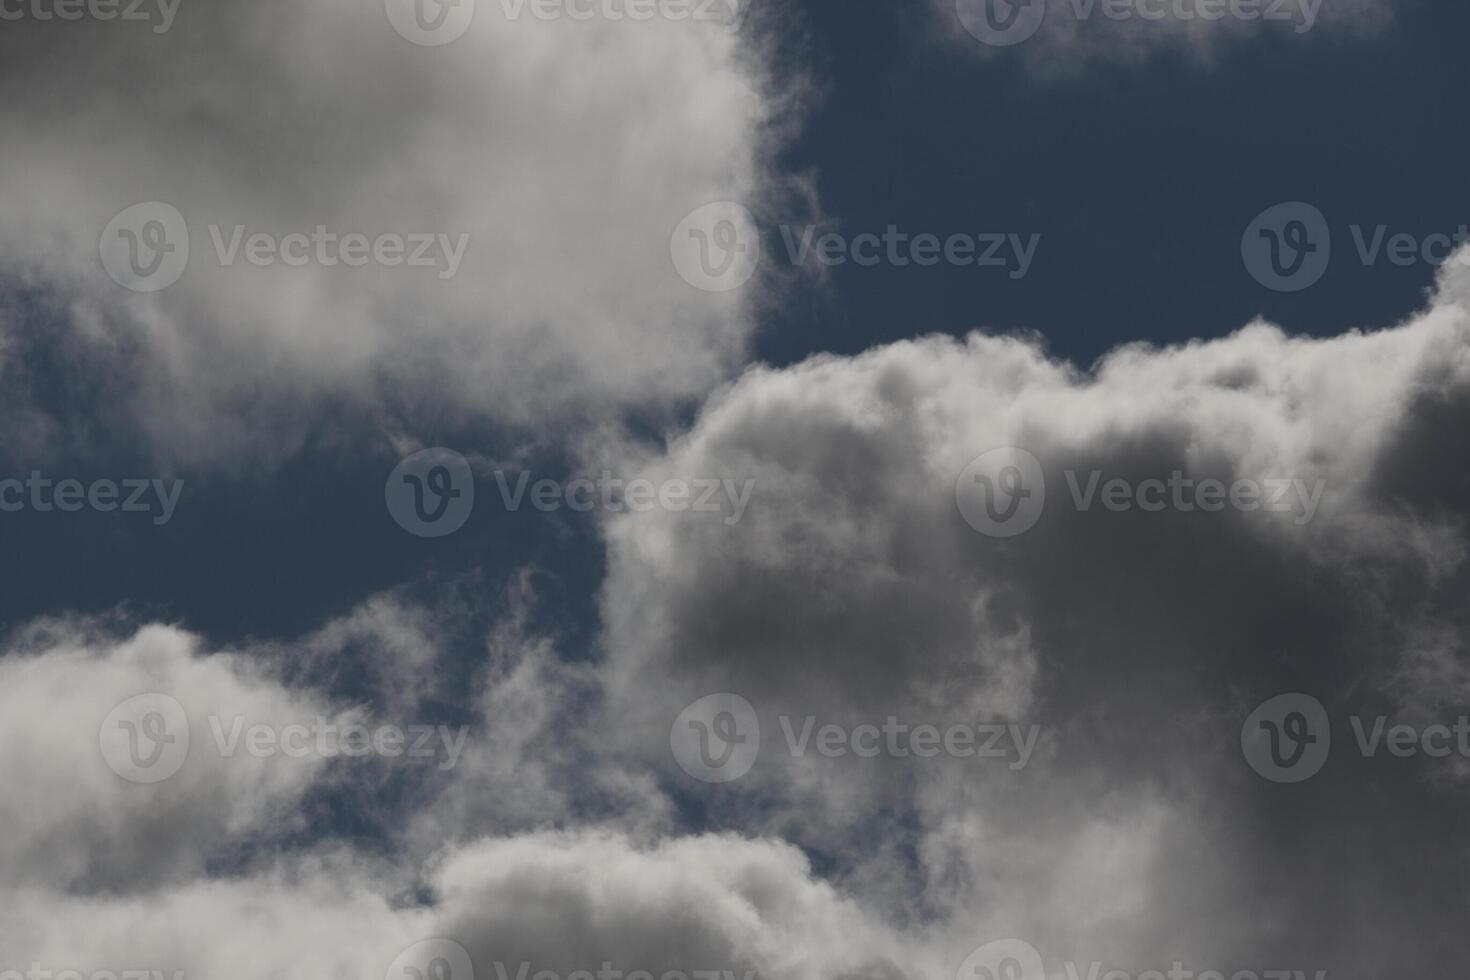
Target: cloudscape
x,y
734,490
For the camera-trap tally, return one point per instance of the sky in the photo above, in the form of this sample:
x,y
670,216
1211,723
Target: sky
x,y
931,489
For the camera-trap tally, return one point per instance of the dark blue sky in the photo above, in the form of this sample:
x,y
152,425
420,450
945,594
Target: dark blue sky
x,y
1140,178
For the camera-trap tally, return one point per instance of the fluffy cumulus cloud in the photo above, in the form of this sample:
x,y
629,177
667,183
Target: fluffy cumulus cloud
x,y
103,872
1137,632
559,902
73,814
551,159
1063,34
1116,820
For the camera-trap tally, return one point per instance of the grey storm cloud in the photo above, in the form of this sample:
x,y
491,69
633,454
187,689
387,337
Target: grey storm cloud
x,y
1139,641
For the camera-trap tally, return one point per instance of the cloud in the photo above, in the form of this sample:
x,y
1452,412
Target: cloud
x,y
566,150
202,873
562,902
1065,35
855,589
73,821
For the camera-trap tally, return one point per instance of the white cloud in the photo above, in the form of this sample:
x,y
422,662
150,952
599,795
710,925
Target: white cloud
x,y
561,902
567,151
72,821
